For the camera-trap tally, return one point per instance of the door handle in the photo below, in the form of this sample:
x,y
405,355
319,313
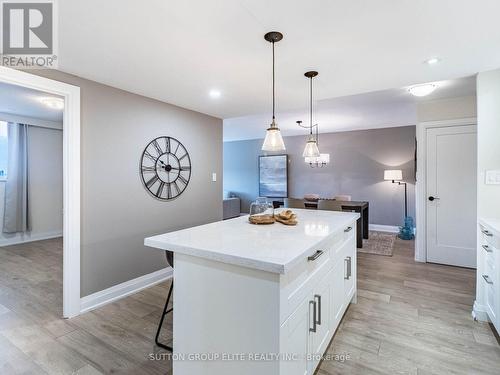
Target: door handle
x,y
348,229
431,198
313,303
487,279
487,248
315,256
318,297
486,233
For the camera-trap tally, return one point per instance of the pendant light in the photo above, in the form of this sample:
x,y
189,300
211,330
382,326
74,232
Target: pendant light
x,y
273,141
311,150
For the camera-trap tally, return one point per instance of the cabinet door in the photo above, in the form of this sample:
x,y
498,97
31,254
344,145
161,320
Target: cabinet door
x,y
295,340
321,337
337,293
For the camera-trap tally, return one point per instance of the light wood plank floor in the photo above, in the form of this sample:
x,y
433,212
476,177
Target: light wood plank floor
x,y
411,318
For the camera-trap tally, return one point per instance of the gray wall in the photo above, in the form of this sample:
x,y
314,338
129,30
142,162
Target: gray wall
x,y
117,212
358,160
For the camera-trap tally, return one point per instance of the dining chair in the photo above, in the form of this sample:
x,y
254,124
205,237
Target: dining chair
x,y
344,198
329,205
294,203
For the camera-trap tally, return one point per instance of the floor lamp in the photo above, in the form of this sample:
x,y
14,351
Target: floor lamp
x,y
396,175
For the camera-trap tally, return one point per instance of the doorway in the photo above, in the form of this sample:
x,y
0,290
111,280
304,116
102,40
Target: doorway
x,y
446,189
71,177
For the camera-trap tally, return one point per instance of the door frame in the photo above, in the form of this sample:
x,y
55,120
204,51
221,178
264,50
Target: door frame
x,y
71,178
421,183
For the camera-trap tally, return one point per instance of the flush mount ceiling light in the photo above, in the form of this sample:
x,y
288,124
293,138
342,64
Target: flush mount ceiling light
x,y
422,90
54,103
214,94
273,141
432,60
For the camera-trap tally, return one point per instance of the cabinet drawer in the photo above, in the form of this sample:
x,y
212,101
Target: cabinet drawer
x,y
297,283
488,237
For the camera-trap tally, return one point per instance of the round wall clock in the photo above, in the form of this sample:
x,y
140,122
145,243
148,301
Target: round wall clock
x,y
165,168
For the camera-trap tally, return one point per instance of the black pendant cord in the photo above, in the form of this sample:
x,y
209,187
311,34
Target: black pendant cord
x,y
311,106
273,84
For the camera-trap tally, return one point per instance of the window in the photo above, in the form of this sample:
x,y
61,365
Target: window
x,y
3,150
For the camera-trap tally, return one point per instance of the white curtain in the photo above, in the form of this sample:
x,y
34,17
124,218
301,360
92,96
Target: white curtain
x,y
16,215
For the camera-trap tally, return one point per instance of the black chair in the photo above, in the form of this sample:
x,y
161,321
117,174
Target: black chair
x,y
170,261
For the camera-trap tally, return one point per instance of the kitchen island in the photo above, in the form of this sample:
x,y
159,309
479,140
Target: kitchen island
x,y
260,299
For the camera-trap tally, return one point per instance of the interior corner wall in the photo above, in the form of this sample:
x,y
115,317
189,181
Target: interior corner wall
x,y
117,213
358,160
488,139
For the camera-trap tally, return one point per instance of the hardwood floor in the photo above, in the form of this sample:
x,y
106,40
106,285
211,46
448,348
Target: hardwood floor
x,y
411,318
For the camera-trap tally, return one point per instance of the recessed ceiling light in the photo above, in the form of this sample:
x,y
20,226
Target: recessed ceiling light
x,y
54,103
214,94
432,60
422,90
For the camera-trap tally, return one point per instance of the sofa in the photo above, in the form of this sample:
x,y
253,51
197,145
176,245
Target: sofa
x,y
230,206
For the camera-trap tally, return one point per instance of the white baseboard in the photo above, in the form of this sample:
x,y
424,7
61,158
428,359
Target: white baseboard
x,y
19,238
479,313
384,228
116,292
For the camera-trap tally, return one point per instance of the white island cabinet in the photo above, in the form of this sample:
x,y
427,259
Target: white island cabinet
x,y
260,299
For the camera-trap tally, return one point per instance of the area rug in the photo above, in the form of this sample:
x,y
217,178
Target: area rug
x,y
379,243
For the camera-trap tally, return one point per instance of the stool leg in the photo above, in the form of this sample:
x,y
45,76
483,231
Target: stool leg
x,y
165,312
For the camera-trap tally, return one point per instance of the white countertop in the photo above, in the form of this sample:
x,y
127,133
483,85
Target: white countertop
x,y
273,248
494,224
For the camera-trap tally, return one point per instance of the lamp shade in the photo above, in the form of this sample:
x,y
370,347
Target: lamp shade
x,y
393,174
273,141
311,150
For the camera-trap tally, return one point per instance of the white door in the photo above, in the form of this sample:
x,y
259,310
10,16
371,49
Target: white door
x,y
451,195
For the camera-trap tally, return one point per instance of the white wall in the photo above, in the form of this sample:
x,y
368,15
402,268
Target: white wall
x,y
488,157
488,138
447,109
45,187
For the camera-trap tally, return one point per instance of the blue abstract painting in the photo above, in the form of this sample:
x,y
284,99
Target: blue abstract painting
x,y
273,176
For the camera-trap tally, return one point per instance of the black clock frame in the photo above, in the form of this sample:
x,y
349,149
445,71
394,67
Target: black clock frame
x,y
160,155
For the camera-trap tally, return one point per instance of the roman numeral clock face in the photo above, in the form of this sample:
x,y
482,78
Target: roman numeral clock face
x,y
165,168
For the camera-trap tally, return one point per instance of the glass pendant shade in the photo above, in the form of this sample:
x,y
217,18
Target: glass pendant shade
x,y
311,150
273,141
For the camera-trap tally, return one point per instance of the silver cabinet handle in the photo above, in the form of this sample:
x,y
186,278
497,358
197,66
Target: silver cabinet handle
x,y
486,233
313,329
349,267
346,269
348,229
315,256
348,273
318,297
487,279
487,248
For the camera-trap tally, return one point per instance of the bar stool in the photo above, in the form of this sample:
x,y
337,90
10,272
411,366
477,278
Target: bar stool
x,y
170,261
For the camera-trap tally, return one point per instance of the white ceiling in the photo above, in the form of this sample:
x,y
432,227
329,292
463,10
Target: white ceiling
x,y
177,51
22,101
380,109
